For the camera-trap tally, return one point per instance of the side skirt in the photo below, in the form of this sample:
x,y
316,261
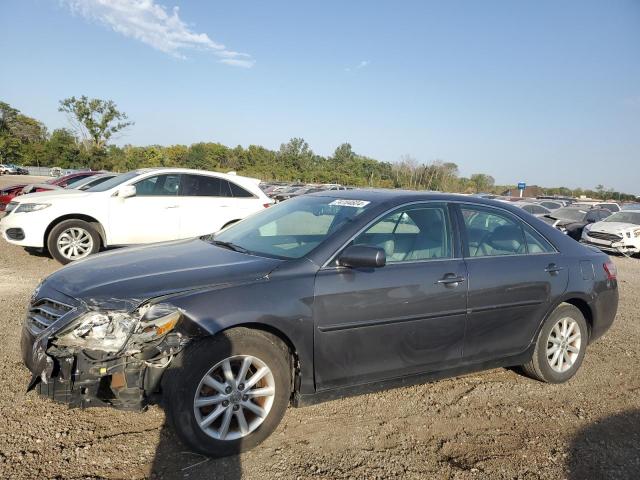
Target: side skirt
x,y
303,400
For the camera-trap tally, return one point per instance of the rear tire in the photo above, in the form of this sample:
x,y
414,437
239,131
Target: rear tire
x,y
560,347
196,377
72,240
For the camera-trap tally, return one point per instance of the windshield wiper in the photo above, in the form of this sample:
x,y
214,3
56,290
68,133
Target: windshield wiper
x,y
230,246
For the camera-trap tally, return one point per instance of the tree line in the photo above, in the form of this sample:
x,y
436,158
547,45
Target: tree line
x,y
95,123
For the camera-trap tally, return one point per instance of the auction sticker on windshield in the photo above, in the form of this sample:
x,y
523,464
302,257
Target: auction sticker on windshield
x,y
350,203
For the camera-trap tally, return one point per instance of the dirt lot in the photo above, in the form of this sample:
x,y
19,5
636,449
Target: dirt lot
x,y
495,424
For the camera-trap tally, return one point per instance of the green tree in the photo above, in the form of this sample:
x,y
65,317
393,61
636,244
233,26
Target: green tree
x,y
482,182
21,137
62,150
95,121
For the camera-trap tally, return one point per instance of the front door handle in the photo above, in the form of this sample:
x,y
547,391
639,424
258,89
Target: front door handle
x,y
553,269
450,280
173,206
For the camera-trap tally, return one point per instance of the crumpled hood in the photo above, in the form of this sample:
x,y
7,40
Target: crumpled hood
x,y
125,278
613,227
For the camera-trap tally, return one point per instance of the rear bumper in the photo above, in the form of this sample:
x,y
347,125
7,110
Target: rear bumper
x,y
605,309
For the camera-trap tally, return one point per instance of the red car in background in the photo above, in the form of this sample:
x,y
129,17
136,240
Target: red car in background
x,y
7,193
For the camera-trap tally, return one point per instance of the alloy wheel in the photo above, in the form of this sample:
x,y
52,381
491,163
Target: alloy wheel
x,y
563,344
234,397
75,243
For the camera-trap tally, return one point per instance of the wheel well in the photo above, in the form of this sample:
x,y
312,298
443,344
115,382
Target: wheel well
x,y
293,353
76,216
584,308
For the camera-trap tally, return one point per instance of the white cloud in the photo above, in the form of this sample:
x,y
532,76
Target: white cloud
x,y
155,26
360,65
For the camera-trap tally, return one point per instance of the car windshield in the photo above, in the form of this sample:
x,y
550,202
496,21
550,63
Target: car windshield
x,y
624,217
572,214
113,182
76,181
293,228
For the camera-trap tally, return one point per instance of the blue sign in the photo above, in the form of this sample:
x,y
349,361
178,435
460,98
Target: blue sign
x,y
522,186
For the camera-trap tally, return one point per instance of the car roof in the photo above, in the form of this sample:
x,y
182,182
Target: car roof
x,y
228,176
381,195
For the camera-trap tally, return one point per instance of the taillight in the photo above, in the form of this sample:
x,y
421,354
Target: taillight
x,y
266,205
611,270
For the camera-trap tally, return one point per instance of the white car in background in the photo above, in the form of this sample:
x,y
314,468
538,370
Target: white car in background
x,y
619,232
6,169
142,206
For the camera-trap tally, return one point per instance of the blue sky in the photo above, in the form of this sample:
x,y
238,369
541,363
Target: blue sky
x,y
542,91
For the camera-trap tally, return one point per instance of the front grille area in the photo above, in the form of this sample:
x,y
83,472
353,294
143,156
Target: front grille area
x,y
605,236
44,312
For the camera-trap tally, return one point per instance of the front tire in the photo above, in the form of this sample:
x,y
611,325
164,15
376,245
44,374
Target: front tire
x,y
72,240
560,347
226,394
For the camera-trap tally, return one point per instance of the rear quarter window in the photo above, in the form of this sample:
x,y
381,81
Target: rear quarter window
x,y
238,192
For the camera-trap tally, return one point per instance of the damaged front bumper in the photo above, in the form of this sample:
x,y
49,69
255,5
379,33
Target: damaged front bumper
x,y
612,246
124,379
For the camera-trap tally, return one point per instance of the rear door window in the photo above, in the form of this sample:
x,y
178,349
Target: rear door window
x,y
204,186
492,233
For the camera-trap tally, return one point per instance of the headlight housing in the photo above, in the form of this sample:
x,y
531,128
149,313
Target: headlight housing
x,y
31,207
111,331
636,233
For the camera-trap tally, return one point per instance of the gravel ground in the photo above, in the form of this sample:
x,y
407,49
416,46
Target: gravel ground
x,y
495,424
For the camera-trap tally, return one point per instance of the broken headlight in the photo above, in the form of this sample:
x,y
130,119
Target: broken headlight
x,y
110,331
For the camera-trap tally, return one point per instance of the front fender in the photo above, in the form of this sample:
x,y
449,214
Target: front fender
x,y
281,304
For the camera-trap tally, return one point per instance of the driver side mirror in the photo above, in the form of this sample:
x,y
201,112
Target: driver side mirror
x,y
127,191
362,256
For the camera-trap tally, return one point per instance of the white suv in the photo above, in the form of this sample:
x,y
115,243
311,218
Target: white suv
x,y
142,206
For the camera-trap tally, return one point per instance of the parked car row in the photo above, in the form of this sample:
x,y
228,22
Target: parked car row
x,y
606,225
280,191
68,181
141,206
12,169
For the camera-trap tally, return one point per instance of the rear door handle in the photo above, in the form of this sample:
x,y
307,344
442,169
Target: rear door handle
x,y
450,280
552,268
173,206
